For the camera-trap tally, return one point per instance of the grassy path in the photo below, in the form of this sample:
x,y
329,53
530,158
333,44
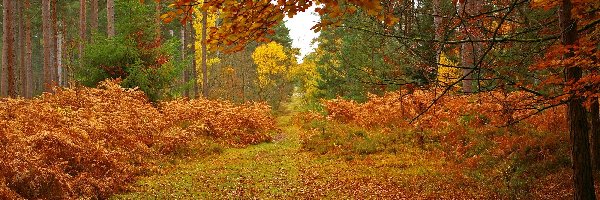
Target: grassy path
x,y
268,170
282,170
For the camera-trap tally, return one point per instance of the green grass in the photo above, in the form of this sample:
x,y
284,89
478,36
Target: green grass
x,y
266,170
282,169
375,166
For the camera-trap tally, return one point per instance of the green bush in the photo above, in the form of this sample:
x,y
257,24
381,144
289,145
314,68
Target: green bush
x,y
133,55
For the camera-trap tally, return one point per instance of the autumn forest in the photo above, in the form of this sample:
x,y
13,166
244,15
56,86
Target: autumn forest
x,y
219,99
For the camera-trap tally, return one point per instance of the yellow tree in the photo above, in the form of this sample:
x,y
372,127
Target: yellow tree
x,y
448,71
270,62
306,75
273,62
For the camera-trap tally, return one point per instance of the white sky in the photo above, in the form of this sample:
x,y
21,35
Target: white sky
x,y
300,31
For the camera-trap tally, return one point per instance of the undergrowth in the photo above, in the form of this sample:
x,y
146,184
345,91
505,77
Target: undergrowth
x,y
467,132
92,143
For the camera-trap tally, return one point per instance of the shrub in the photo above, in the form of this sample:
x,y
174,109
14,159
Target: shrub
x,y
92,143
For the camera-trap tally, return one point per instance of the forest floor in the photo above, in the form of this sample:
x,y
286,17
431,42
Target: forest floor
x,y
283,169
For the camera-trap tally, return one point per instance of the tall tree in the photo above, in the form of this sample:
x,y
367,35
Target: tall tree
x,y
82,28
204,55
28,67
184,73
194,71
437,24
110,18
94,16
595,133
21,48
578,127
48,44
55,44
468,9
8,49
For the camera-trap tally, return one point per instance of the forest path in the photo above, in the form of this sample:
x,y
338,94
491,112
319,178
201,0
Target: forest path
x,y
267,170
283,170
276,170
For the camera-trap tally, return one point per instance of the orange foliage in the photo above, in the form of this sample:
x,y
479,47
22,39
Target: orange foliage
x,y
92,142
243,125
253,20
454,117
494,109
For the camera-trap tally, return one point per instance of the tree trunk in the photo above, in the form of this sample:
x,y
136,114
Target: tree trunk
x,y
204,55
8,49
5,54
21,45
82,29
469,50
28,53
66,55
94,16
437,27
190,54
55,78
578,129
110,18
48,44
184,73
194,71
595,133
59,64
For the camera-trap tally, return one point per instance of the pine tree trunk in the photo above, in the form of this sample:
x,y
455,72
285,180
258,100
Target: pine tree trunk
x,y
595,133
59,64
578,129
28,53
65,55
5,60
110,18
437,27
8,49
184,73
191,56
469,50
82,29
55,43
204,56
94,16
194,71
47,37
21,45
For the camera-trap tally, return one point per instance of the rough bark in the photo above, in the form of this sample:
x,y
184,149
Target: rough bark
x,y
5,35
55,43
8,49
47,44
204,55
82,29
28,81
578,124
110,18
595,133
190,54
437,24
59,64
184,72
21,49
193,72
469,50
94,16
